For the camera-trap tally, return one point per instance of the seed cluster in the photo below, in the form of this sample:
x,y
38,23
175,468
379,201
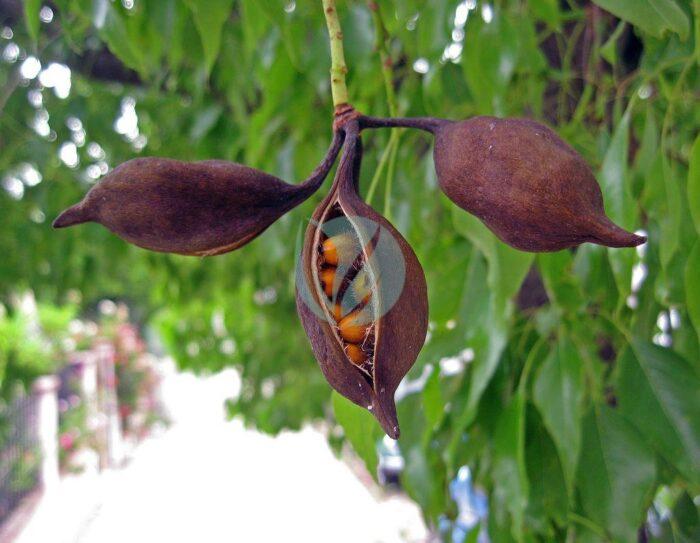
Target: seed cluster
x,y
344,280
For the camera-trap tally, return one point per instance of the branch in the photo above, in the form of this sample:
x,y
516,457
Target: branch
x,y
338,67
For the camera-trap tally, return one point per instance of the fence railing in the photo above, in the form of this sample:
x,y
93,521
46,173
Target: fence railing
x,y
20,452
31,442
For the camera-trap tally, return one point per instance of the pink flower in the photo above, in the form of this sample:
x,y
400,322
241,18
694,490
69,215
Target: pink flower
x,y
66,441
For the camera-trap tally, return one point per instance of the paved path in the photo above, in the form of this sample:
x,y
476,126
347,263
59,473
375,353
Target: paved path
x,y
207,480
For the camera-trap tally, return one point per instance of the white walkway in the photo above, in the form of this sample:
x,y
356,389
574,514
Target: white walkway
x,y
207,480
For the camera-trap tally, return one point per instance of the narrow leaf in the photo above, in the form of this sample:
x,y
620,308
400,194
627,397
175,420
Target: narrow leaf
x,y
509,472
558,394
31,18
614,182
694,182
652,16
659,392
360,429
616,474
692,286
209,18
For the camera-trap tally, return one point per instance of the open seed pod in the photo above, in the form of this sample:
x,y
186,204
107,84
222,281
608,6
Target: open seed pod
x,y
361,295
191,208
525,183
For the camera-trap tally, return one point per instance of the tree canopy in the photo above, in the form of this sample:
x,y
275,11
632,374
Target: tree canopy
x,y
569,382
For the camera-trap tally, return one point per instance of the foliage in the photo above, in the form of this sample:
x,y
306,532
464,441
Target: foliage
x,y
584,381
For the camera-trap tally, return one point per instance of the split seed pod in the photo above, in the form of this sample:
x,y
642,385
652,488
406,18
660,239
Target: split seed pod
x,y
191,208
368,332
525,183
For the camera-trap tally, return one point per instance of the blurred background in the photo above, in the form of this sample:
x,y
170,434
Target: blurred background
x,y
148,396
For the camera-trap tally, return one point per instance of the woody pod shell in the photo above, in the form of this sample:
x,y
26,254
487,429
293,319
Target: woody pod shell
x,y
191,208
399,330
525,183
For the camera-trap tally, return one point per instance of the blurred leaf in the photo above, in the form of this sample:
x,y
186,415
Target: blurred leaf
x,y
616,474
424,474
558,394
609,49
614,181
113,29
562,287
694,182
548,495
489,59
209,18
205,121
507,266
653,16
659,392
509,473
692,286
670,224
31,18
432,399
547,11
360,429
507,269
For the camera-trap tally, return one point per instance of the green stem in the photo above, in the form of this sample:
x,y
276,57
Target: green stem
x,y
583,521
391,172
338,67
387,65
378,172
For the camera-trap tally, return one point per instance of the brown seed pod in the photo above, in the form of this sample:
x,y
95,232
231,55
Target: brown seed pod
x,y
191,208
364,345
525,183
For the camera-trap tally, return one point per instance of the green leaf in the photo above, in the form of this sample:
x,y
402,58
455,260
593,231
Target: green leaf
x,y
209,18
432,399
558,394
671,221
509,472
507,266
490,60
31,18
507,270
659,392
360,428
614,182
652,16
694,182
113,29
616,474
547,486
692,286
562,286
547,11
609,49
424,475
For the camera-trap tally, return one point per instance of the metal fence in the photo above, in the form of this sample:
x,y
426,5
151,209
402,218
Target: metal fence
x,y
20,452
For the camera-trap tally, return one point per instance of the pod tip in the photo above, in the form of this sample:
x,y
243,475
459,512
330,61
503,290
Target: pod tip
x,y
609,234
73,215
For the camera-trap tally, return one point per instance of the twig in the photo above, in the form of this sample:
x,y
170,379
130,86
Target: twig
x,y
338,68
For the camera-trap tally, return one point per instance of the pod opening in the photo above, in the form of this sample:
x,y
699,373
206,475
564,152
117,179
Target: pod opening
x,y
347,286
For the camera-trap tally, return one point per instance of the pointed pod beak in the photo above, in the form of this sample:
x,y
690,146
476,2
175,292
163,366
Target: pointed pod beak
x,y
73,215
609,234
384,410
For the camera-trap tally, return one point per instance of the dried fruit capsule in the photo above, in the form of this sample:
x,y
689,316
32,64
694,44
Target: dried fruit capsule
x,y
191,208
527,185
364,345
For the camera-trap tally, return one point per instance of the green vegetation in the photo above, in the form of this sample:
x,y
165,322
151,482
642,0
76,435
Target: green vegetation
x,y
569,382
